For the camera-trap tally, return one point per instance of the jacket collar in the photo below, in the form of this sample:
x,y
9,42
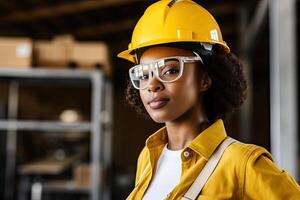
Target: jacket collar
x,y
204,144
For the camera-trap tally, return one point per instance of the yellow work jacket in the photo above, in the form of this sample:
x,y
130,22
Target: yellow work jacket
x,y
245,171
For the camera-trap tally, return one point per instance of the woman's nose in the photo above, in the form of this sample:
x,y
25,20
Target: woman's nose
x,y
155,85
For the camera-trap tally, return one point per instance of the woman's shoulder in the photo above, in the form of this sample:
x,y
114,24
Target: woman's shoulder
x,y
259,173
246,151
239,155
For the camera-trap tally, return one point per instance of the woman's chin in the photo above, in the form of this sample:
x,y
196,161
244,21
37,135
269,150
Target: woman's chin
x,y
158,118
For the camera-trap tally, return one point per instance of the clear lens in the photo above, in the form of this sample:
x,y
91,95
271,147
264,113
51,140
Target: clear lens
x,y
169,69
139,76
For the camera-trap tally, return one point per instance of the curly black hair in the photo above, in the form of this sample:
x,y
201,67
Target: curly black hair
x,y
227,92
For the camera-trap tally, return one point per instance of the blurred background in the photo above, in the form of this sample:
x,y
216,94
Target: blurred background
x,y
66,131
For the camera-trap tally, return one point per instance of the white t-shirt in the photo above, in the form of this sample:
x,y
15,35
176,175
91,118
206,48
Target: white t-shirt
x,y
167,175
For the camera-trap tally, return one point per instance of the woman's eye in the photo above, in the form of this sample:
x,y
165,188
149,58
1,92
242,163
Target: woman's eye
x,y
145,77
171,71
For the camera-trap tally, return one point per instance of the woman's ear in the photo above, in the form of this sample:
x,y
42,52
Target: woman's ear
x,y
205,82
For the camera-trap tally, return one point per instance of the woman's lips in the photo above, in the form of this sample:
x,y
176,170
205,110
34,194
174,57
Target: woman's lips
x,y
158,103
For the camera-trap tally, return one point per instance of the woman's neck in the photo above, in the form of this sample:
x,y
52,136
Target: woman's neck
x,y
182,132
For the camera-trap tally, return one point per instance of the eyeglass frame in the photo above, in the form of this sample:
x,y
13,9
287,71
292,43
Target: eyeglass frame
x,y
153,67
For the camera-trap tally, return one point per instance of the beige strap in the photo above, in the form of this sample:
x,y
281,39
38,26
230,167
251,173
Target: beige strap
x,y
206,172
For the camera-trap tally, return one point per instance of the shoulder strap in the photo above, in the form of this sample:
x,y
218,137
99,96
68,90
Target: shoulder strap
x,y
206,172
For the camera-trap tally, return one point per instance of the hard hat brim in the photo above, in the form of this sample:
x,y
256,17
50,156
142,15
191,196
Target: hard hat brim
x,y
127,54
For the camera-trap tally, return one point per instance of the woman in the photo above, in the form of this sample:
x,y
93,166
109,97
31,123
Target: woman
x,y
186,77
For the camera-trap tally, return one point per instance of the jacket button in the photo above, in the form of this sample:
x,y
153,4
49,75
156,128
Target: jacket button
x,y
186,154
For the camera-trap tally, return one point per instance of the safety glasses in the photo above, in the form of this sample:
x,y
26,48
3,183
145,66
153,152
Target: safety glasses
x,y
166,70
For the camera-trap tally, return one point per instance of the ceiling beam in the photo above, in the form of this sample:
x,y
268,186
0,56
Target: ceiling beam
x,y
7,5
221,9
107,28
64,9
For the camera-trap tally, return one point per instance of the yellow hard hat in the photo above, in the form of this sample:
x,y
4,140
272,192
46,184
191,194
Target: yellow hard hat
x,y
169,21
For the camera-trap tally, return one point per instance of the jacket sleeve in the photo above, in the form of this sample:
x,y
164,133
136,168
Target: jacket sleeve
x,y
264,180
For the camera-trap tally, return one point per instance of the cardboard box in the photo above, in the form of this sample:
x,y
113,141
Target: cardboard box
x,y
63,52
15,52
89,55
82,174
49,55
55,53
63,46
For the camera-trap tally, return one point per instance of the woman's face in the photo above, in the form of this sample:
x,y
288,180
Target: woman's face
x,y
171,101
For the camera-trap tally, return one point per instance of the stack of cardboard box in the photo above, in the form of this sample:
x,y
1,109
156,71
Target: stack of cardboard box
x,y
61,52
64,52
54,53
